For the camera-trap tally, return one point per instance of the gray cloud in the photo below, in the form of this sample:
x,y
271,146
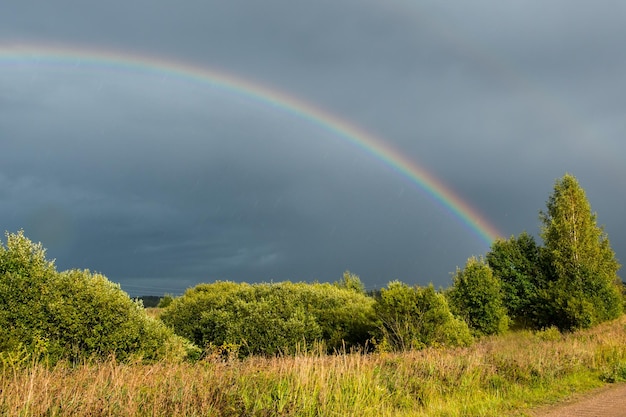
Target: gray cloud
x,y
161,182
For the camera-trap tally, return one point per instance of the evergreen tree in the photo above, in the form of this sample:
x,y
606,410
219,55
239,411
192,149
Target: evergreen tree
x,y
582,285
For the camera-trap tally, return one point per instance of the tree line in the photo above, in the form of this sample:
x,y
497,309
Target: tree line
x,y
572,280
569,282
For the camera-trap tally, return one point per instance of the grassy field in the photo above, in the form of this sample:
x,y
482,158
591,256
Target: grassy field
x,y
507,375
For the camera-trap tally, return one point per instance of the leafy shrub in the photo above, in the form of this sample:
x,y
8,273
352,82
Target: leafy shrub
x,y
271,318
517,263
476,297
94,316
26,279
551,333
73,314
165,301
346,316
417,317
351,281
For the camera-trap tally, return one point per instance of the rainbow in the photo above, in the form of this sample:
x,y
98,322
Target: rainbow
x,y
61,55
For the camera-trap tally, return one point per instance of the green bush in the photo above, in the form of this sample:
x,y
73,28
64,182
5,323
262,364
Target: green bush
x,y
75,314
271,318
476,297
165,301
417,317
351,281
26,283
517,262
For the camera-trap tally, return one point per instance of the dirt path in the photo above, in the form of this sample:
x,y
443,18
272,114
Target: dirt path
x,y
609,401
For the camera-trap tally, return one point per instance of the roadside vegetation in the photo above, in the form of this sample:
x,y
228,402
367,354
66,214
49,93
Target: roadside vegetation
x,y
524,325
72,315
503,375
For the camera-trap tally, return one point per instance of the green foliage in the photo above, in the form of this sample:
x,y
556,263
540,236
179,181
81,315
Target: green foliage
x,y
149,301
93,316
571,282
271,318
476,297
165,301
417,317
352,282
516,262
25,280
200,314
582,286
74,314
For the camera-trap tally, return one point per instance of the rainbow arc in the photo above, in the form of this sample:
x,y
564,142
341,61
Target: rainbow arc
x,y
379,149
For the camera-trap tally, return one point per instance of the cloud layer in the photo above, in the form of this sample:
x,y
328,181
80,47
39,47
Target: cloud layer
x,y
162,182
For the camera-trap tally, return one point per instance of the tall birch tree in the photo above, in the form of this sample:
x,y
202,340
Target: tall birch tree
x,y
582,287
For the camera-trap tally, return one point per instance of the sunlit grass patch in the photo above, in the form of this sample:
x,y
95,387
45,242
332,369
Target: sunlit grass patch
x,y
504,375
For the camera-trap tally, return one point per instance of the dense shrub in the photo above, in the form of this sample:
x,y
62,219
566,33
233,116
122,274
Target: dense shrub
x,y
351,281
26,281
417,317
272,318
165,301
476,297
72,315
518,263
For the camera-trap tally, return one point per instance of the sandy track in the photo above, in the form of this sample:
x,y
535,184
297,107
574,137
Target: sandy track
x,y
609,401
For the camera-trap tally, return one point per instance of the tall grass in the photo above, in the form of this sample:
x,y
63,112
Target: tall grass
x,y
506,375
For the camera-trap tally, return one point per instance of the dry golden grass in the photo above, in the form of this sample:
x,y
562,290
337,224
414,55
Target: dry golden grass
x,y
498,376
153,312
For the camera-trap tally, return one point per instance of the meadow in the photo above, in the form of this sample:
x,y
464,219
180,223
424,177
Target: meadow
x,y
501,375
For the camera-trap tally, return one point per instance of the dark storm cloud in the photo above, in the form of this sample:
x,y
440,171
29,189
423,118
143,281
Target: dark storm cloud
x,y
161,183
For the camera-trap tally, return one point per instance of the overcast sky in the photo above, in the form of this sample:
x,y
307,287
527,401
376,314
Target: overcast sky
x,y
162,182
